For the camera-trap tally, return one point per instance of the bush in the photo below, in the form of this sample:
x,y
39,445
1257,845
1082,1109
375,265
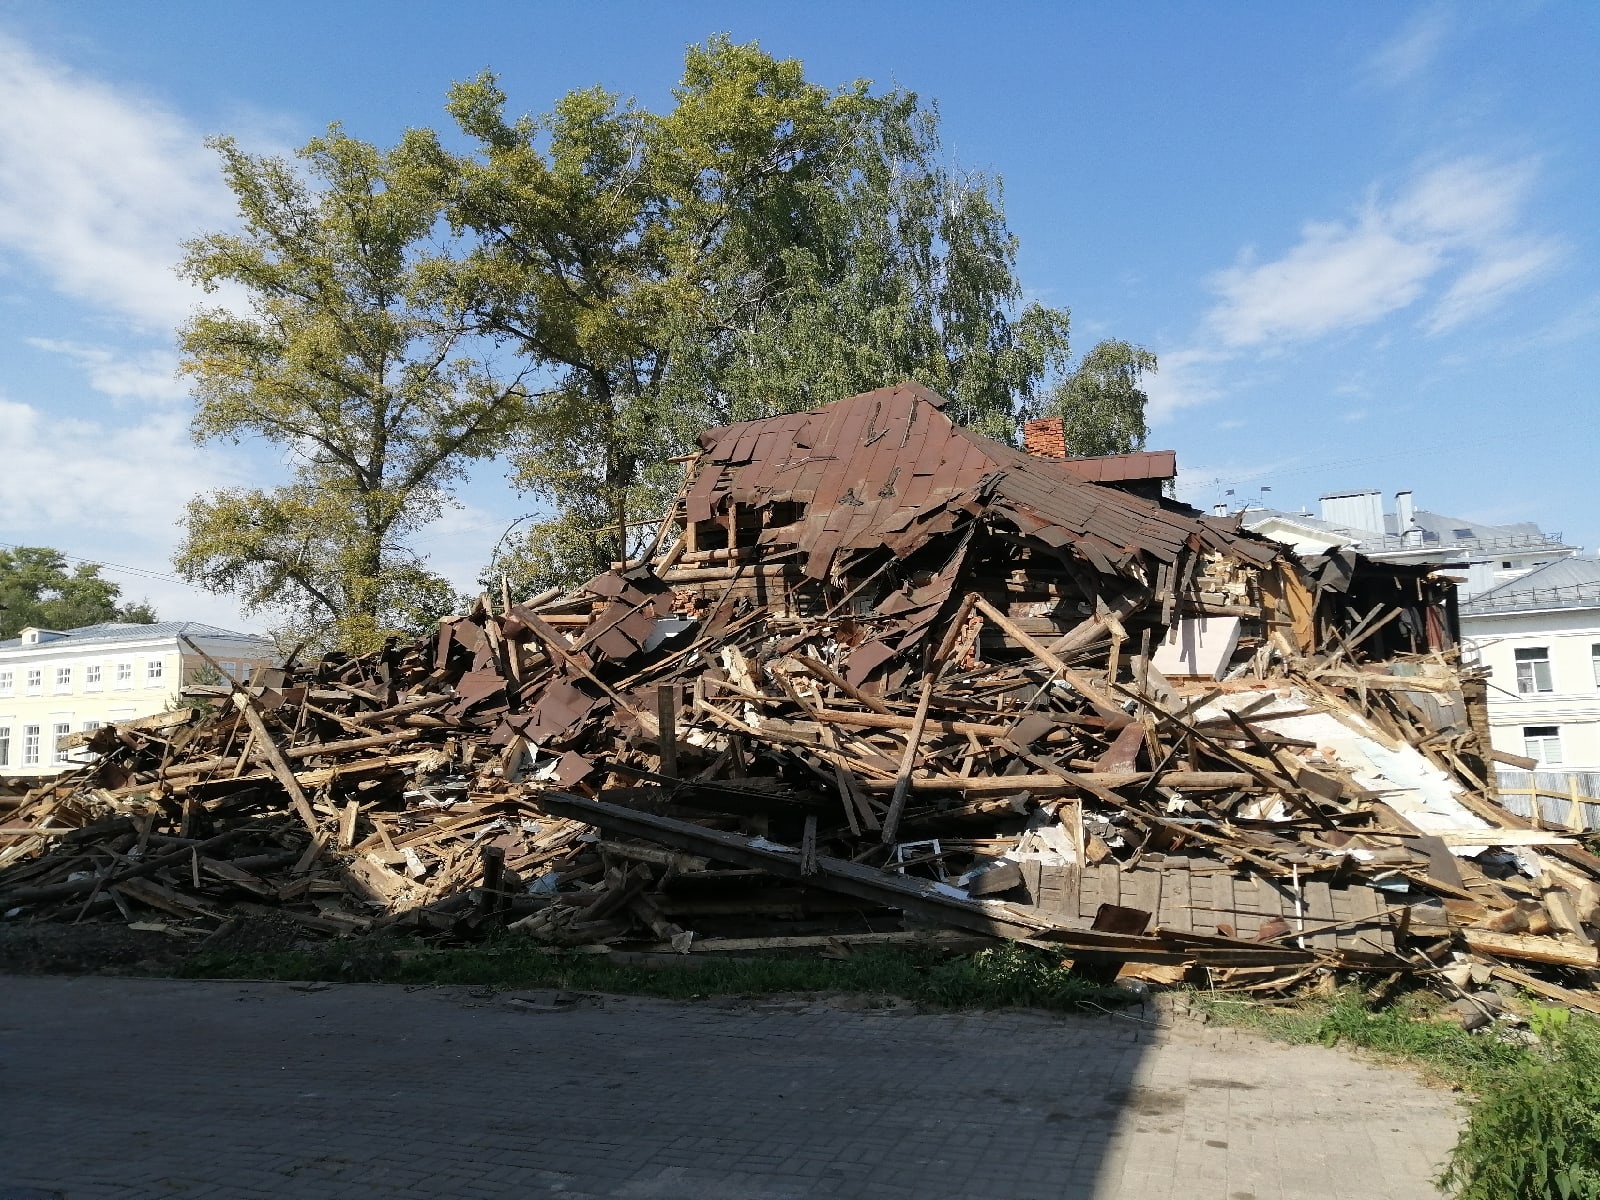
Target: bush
x,y
1535,1132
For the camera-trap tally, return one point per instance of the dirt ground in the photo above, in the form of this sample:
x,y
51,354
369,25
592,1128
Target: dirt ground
x,y
112,948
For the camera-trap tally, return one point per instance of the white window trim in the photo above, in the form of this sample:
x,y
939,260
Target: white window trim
x,y
1533,665
1537,746
93,685
59,730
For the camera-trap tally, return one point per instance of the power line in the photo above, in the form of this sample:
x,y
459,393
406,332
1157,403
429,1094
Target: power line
x,y
1337,464
141,572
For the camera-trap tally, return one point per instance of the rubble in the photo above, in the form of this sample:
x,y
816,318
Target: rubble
x,y
876,675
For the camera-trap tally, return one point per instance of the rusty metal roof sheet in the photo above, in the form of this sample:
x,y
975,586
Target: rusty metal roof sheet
x,y
1118,468
869,467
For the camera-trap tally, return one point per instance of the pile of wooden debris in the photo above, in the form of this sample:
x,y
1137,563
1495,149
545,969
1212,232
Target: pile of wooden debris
x,y
875,675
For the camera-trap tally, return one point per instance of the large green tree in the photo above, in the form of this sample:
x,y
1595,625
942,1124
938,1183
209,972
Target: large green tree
x,y
38,589
370,381
1101,403
763,245
767,244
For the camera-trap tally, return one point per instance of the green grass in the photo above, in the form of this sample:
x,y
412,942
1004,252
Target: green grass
x,y
1534,1129
1404,1032
1003,977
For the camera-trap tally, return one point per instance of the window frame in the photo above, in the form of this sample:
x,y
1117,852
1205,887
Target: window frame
x,y
1523,656
30,746
124,673
1537,741
5,744
64,680
91,676
59,730
8,681
154,672
35,681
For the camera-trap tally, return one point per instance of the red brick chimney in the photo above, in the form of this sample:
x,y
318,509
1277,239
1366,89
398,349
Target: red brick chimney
x,y
1044,438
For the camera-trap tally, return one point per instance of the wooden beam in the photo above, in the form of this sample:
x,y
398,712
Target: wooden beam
x,y
267,749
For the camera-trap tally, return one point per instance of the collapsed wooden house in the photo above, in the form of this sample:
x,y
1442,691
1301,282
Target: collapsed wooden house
x,y
875,673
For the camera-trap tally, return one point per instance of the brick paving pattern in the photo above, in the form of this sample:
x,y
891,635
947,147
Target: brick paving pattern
x,y
144,1088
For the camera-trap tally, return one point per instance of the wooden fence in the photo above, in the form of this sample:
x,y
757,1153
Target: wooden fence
x,y
1568,804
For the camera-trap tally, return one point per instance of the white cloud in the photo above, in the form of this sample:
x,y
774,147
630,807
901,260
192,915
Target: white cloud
x,y
1185,378
72,474
149,375
98,188
1338,277
1410,52
113,493
1481,288
1456,227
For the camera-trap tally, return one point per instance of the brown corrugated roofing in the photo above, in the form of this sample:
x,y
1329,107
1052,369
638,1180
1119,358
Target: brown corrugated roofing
x,y
1116,468
869,467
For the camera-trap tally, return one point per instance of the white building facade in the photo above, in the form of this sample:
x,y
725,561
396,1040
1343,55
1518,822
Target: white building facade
x,y
1540,637
56,682
1530,612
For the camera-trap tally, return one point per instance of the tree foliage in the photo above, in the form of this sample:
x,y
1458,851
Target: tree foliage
x,y
37,589
766,245
1101,405
346,358
763,245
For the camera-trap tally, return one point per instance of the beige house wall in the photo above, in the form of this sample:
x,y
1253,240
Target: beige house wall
x,y
1570,639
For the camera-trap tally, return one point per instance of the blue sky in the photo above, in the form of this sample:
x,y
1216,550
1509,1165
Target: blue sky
x,y
1361,238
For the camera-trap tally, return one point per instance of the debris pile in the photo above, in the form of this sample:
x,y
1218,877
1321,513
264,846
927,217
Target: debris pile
x,y
876,676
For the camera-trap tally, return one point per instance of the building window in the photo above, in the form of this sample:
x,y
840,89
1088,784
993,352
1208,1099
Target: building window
x,y
30,745
1505,566
152,672
1542,743
35,680
59,730
5,745
85,754
1594,658
1533,670
124,674
231,670
91,678
63,679
7,682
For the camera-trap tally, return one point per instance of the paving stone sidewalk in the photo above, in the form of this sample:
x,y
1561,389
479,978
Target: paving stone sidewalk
x,y
147,1088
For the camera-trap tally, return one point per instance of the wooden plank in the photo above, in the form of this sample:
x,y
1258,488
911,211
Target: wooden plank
x,y
1141,889
1531,949
347,824
902,783
267,749
1319,911
1176,900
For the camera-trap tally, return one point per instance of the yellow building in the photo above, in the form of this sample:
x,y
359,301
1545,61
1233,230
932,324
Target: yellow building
x,y
56,682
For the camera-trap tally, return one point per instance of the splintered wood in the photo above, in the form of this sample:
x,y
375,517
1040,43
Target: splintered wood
x,y
883,671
